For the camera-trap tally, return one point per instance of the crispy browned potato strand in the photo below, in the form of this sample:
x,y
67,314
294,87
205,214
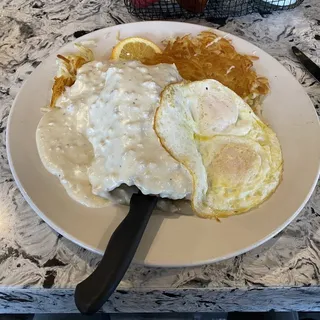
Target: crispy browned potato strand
x,y
208,56
68,69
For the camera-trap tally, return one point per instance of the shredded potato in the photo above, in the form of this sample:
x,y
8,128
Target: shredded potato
x,y
208,56
68,67
205,56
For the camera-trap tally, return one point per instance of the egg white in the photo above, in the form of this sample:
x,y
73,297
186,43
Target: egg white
x,y
233,157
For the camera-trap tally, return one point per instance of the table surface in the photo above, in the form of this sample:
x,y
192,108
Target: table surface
x,y
39,268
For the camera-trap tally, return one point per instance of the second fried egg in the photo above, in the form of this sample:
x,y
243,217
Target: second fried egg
x,y
234,159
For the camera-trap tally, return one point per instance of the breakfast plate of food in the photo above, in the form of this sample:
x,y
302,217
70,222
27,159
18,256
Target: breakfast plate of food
x,y
215,127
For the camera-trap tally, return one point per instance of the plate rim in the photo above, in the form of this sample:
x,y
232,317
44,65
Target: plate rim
x,y
67,235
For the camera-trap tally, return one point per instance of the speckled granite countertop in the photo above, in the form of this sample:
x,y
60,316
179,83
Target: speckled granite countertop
x,y
39,269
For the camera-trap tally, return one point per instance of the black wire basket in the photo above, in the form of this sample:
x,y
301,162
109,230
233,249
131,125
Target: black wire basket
x,y
169,9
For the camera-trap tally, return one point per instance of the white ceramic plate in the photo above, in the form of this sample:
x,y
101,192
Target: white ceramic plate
x,y
171,240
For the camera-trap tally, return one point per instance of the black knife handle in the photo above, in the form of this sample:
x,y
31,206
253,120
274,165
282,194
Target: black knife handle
x,y
308,63
94,291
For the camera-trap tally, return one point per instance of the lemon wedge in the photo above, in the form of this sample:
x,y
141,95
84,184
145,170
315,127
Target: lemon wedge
x,y
134,48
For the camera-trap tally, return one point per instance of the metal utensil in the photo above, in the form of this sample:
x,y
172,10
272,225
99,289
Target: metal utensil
x,y
307,63
94,291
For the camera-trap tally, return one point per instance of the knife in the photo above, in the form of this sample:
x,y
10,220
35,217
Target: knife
x,y
94,291
307,63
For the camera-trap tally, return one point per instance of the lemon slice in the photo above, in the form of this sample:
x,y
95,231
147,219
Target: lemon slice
x,y
134,48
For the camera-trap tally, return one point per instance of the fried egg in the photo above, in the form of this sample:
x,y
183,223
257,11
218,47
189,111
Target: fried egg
x,y
234,159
